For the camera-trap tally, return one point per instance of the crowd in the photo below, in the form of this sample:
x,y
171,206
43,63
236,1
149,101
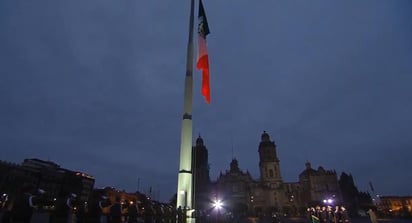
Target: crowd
x,y
328,214
66,207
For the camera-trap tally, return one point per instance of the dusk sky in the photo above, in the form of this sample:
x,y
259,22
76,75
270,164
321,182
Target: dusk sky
x,y
97,86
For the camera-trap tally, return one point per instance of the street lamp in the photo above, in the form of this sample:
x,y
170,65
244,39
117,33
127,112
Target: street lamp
x,y
217,204
328,201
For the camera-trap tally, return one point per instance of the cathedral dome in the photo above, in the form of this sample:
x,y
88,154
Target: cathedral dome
x,y
199,141
309,171
234,165
265,137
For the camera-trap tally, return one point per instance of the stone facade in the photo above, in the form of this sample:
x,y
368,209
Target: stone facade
x,y
234,188
319,186
44,175
201,175
395,206
269,193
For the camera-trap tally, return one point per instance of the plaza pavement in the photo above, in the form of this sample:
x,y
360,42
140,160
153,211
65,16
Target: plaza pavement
x,y
44,217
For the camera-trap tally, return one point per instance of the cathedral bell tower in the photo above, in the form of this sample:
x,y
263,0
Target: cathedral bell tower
x,y
200,165
201,179
269,162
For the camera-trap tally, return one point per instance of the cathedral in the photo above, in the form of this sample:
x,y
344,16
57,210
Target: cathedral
x,y
268,194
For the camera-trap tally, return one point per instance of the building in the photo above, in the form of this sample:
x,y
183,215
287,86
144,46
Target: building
x,y
49,176
271,181
112,193
13,176
54,179
45,175
201,179
319,186
269,193
234,187
84,183
144,203
395,206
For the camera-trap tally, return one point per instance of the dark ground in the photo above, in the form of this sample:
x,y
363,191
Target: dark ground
x,y
43,218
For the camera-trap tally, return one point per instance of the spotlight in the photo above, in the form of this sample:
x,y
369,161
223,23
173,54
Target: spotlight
x,y
217,204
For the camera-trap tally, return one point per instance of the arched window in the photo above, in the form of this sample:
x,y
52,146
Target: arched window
x,y
271,173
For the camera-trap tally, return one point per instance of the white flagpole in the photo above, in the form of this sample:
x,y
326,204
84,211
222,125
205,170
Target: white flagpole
x,y
185,177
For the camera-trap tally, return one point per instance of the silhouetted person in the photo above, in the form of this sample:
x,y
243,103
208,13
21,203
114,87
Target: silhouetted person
x,y
23,205
132,212
180,215
337,215
80,212
372,216
94,207
309,213
5,209
323,214
115,215
344,214
148,214
62,208
331,215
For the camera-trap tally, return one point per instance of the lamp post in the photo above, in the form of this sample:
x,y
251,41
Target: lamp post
x,y
328,201
217,204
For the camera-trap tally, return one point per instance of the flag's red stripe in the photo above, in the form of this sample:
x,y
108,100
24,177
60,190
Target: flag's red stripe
x,y
206,85
203,62
203,65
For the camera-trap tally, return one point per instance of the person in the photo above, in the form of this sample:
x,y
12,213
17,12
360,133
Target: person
x,y
23,204
148,213
344,214
132,212
94,208
372,216
80,212
62,208
5,209
323,215
180,214
331,217
337,215
309,214
115,215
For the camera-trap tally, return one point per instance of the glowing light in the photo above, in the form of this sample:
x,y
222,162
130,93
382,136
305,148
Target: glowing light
x,y
218,204
328,201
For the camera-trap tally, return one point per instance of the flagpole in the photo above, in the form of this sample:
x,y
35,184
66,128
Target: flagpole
x,y
185,176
